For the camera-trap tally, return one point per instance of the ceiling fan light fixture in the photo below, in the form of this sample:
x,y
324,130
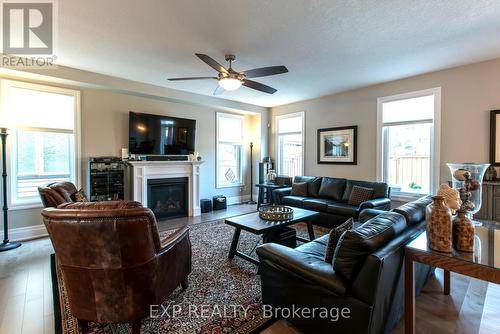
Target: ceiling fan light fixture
x,y
230,83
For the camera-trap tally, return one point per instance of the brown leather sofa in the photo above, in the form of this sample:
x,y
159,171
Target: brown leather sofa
x,y
56,193
113,262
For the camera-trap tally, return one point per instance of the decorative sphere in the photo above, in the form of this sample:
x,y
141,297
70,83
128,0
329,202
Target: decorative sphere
x,y
474,185
461,174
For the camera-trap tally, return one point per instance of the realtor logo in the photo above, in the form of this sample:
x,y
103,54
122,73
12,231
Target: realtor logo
x,y
28,28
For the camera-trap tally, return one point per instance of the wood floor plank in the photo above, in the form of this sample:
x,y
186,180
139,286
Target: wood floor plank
x,y
471,313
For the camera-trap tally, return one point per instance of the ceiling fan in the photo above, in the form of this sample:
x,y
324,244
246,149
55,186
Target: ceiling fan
x,y
229,79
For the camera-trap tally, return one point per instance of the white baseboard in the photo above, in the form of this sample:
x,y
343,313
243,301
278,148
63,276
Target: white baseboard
x,y
27,233
239,199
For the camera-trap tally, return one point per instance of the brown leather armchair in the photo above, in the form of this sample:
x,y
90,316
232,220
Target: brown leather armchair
x,y
113,261
56,193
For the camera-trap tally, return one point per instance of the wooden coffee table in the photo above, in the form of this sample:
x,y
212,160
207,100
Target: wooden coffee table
x,y
251,222
481,264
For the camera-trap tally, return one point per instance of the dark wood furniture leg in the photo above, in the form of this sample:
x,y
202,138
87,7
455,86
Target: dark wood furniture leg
x,y
234,243
409,294
184,284
84,326
310,230
446,275
259,198
136,327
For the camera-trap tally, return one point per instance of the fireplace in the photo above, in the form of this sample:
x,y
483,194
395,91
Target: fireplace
x,y
168,198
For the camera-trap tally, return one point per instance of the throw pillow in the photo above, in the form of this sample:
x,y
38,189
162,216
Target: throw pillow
x,y
334,237
299,189
79,196
360,195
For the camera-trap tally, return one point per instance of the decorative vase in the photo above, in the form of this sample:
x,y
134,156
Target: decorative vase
x,y
468,179
439,225
463,233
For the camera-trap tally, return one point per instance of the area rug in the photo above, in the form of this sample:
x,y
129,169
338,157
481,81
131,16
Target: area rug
x,y
228,290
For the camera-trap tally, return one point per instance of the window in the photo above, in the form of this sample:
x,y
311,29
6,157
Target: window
x,y
290,139
229,150
408,141
42,124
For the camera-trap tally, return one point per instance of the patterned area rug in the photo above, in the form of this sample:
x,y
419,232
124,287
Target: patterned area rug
x,y
216,284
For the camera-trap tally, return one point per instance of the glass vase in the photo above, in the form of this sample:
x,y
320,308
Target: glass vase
x,y
468,179
439,225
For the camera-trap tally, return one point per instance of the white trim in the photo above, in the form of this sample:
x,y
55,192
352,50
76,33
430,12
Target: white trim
x,y
77,159
436,138
277,118
218,114
27,233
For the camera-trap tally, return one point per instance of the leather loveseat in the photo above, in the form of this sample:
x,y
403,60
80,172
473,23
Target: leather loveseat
x,y
368,277
329,196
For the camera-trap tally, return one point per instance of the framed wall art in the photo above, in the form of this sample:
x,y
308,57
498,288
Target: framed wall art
x,y
338,145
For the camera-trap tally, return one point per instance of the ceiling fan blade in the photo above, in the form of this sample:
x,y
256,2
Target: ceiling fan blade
x,y
258,86
218,90
191,78
212,63
265,71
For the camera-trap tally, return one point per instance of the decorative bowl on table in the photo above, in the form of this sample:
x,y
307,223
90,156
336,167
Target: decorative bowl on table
x,y
275,212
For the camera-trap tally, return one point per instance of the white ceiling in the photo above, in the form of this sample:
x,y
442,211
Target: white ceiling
x,y
328,46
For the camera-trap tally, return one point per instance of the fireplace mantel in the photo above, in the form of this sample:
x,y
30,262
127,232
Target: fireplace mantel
x,y
139,172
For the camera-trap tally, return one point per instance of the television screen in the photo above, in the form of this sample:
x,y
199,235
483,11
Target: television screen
x,y
156,134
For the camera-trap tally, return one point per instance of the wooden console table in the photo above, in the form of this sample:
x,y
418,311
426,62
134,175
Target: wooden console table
x,y
480,264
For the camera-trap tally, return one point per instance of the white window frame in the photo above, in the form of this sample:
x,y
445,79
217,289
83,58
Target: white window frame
x,y
218,183
11,140
435,138
277,138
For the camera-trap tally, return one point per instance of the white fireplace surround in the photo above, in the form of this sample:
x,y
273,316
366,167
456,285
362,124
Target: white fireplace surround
x,y
142,171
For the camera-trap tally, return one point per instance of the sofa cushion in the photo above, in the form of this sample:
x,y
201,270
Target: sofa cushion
x,y
360,195
414,212
313,184
332,188
315,248
380,189
343,209
355,245
299,189
317,204
334,236
293,200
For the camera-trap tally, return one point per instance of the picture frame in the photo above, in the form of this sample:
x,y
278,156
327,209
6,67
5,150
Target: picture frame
x,y
495,137
338,145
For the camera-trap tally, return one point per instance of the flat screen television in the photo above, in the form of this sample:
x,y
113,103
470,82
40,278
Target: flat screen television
x,y
156,134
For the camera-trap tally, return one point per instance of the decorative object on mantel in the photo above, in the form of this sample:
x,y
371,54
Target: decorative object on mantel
x,y
275,212
338,145
451,197
468,179
463,233
438,227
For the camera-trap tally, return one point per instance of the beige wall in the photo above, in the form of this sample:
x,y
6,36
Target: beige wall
x,y
104,131
468,93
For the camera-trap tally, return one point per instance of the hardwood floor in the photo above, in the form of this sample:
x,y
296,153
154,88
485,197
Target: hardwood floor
x,y
26,293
